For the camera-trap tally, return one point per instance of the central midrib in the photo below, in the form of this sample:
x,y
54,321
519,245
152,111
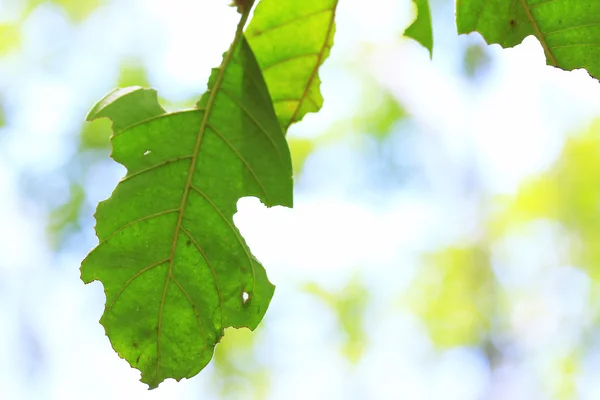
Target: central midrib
x,y
190,175
538,33
315,70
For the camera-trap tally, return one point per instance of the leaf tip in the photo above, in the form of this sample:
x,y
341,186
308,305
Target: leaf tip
x,y
127,106
421,29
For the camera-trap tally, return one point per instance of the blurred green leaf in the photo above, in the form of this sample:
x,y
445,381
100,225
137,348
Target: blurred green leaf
x,y
77,10
175,270
132,73
568,193
10,37
238,374
349,306
300,149
567,30
421,29
454,293
476,60
380,113
66,216
291,41
565,379
95,135
2,114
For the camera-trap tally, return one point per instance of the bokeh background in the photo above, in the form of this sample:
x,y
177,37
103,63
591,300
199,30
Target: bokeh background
x,y
445,240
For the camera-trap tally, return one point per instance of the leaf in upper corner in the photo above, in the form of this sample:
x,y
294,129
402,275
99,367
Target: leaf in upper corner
x,y
291,40
569,31
421,29
175,269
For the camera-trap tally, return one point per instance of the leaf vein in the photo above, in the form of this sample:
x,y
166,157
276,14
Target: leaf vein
x,y
538,32
172,160
212,269
126,284
233,229
284,60
577,45
315,70
189,299
571,28
255,121
144,218
288,22
542,3
243,160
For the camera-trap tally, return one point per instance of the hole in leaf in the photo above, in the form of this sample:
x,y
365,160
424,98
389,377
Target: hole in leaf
x,y
245,297
147,152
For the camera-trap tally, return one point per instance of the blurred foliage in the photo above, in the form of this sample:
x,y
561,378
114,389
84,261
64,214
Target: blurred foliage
x,y
132,73
564,384
65,219
10,37
381,112
77,10
453,293
95,135
2,114
300,149
237,372
568,193
349,306
476,60
376,117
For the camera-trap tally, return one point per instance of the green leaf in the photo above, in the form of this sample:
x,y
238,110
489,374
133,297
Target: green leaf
x,y
421,29
291,40
567,30
175,269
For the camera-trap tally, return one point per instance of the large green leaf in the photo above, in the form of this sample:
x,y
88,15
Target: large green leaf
x,y
421,29
291,40
175,269
569,30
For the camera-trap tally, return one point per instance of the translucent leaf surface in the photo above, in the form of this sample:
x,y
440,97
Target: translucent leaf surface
x,y
569,30
421,29
291,40
175,269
